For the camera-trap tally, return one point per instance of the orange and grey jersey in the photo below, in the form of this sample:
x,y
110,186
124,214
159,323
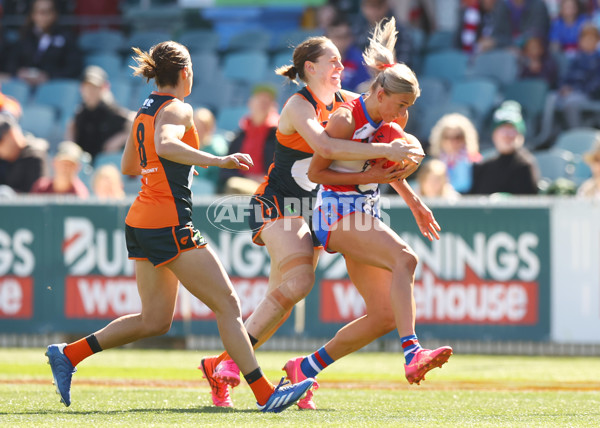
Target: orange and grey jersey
x,y
288,175
165,199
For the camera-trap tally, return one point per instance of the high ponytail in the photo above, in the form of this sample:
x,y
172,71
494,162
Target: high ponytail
x,y
394,77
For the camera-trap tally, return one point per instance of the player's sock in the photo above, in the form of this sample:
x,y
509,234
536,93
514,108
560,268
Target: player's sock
x,y
83,348
410,345
314,363
260,385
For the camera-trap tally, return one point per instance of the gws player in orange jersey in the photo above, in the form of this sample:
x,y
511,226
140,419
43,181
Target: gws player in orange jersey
x,y
347,220
167,249
286,198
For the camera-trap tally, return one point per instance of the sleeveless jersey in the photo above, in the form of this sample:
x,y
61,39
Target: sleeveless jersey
x,y
364,128
288,174
165,199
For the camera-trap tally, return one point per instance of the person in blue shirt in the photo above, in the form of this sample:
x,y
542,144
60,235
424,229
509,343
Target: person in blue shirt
x,y
581,83
565,28
355,71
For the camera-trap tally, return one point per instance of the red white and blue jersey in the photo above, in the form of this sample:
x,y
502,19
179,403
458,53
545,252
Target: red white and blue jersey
x,y
364,128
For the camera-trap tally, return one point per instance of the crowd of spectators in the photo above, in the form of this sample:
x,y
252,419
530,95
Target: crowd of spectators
x,y
556,41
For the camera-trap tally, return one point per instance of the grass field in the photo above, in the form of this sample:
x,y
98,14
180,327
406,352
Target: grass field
x,y
163,388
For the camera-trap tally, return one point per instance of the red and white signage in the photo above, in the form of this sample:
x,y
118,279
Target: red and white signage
x,y
99,297
16,297
471,300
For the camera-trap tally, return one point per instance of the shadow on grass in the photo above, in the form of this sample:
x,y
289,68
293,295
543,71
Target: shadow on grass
x,y
154,411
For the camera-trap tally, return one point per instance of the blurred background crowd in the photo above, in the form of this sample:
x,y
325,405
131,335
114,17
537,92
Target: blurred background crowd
x,y
510,98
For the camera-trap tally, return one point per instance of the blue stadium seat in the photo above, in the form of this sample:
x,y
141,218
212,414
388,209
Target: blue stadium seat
x,y
577,140
448,65
17,89
440,40
62,94
122,91
553,164
39,120
480,94
499,64
108,158
247,67
531,94
146,39
206,65
110,62
255,38
105,40
200,40
228,118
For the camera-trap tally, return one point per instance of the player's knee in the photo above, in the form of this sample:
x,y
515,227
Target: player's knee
x,y
229,304
406,261
383,320
157,327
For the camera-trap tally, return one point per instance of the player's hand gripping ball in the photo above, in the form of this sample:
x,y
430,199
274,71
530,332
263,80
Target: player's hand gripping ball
x,y
387,133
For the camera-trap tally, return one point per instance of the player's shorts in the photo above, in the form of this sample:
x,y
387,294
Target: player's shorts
x,y
163,245
332,207
271,205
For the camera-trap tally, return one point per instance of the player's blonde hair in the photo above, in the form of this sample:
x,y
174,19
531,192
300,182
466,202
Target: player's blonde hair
x,y
394,77
162,62
453,121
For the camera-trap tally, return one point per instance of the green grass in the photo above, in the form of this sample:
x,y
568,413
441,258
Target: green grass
x,y
163,388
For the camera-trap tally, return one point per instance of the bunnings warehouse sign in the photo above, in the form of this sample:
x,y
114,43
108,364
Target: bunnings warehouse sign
x,y
64,268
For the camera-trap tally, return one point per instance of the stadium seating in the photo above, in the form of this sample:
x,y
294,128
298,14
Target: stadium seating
x,y
111,62
256,39
440,40
62,94
39,120
228,118
17,89
246,67
105,40
577,140
480,94
448,65
501,65
206,65
199,40
145,39
531,94
553,164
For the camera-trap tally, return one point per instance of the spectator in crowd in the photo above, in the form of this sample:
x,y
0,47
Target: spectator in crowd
x,y
99,124
513,169
44,50
595,14
475,23
581,83
107,183
432,181
10,105
24,158
565,28
513,21
210,142
5,47
255,137
66,165
355,72
373,11
455,142
591,187
536,62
